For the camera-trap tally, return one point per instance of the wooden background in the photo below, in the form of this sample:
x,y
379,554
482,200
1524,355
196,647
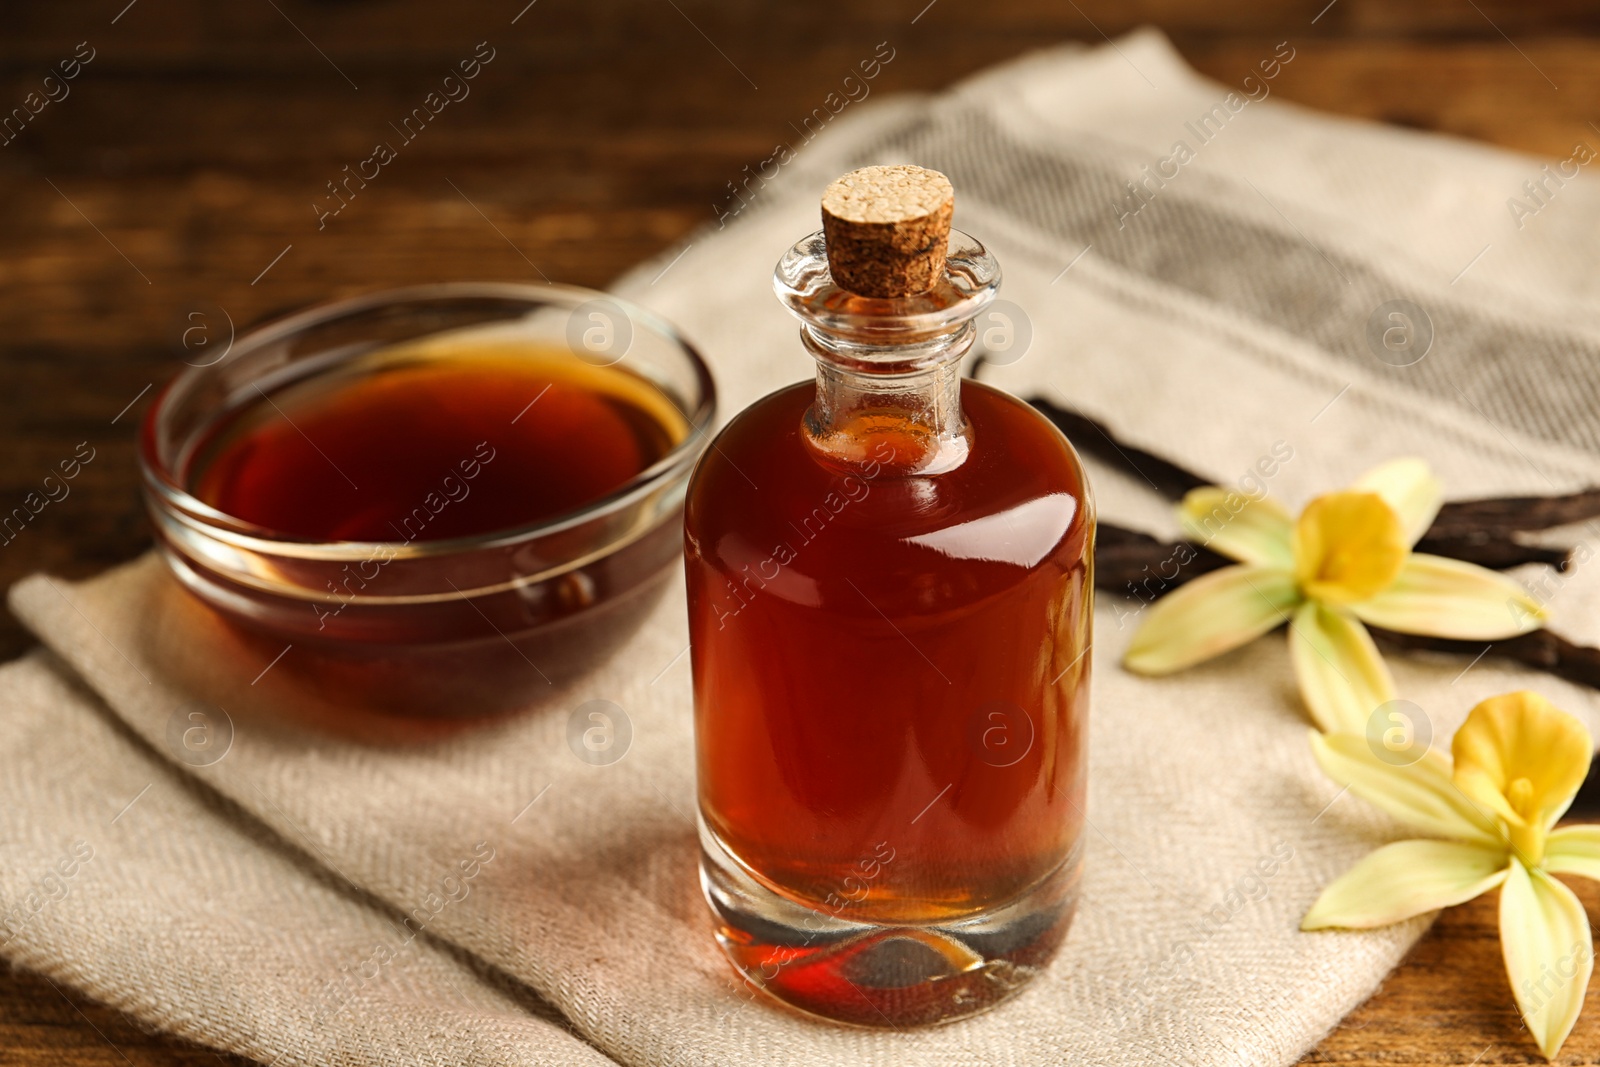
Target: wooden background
x,y
188,154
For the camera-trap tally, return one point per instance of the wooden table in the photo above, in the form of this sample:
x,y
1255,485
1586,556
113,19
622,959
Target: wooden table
x,y
173,189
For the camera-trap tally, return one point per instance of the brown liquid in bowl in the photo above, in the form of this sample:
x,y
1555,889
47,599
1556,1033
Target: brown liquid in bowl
x,y
424,449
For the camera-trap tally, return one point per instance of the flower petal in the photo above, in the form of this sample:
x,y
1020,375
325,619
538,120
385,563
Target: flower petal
x,y
1406,879
1574,850
1342,678
1209,616
1544,936
1250,530
1522,738
1448,598
1421,795
1348,546
1409,487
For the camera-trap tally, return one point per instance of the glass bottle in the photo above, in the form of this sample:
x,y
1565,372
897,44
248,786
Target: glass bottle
x,y
890,600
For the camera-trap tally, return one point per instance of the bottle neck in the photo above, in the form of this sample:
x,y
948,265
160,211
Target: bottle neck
x,y
888,370
904,416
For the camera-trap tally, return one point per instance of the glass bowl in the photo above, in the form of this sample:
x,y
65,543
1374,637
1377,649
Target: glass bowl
x,y
464,626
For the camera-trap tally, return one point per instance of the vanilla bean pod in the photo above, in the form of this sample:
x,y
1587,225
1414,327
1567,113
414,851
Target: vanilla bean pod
x,y
1496,554
1168,479
1477,531
1543,649
1127,561
1137,565
1503,515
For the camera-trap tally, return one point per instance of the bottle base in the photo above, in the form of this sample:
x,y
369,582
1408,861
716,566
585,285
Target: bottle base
x,y
883,975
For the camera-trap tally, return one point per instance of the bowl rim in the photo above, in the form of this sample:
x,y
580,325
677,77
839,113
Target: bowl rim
x,y
163,490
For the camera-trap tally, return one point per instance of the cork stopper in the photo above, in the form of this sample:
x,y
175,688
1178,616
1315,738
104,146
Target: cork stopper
x,y
887,229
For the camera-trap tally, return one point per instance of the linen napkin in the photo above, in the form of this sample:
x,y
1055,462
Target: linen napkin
x,y
243,901
149,891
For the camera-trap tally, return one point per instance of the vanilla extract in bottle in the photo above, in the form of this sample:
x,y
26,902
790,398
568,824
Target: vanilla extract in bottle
x,y
890,596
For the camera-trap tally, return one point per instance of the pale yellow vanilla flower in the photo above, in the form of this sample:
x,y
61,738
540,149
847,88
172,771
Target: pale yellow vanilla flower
x,y
1346,561
1518,761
